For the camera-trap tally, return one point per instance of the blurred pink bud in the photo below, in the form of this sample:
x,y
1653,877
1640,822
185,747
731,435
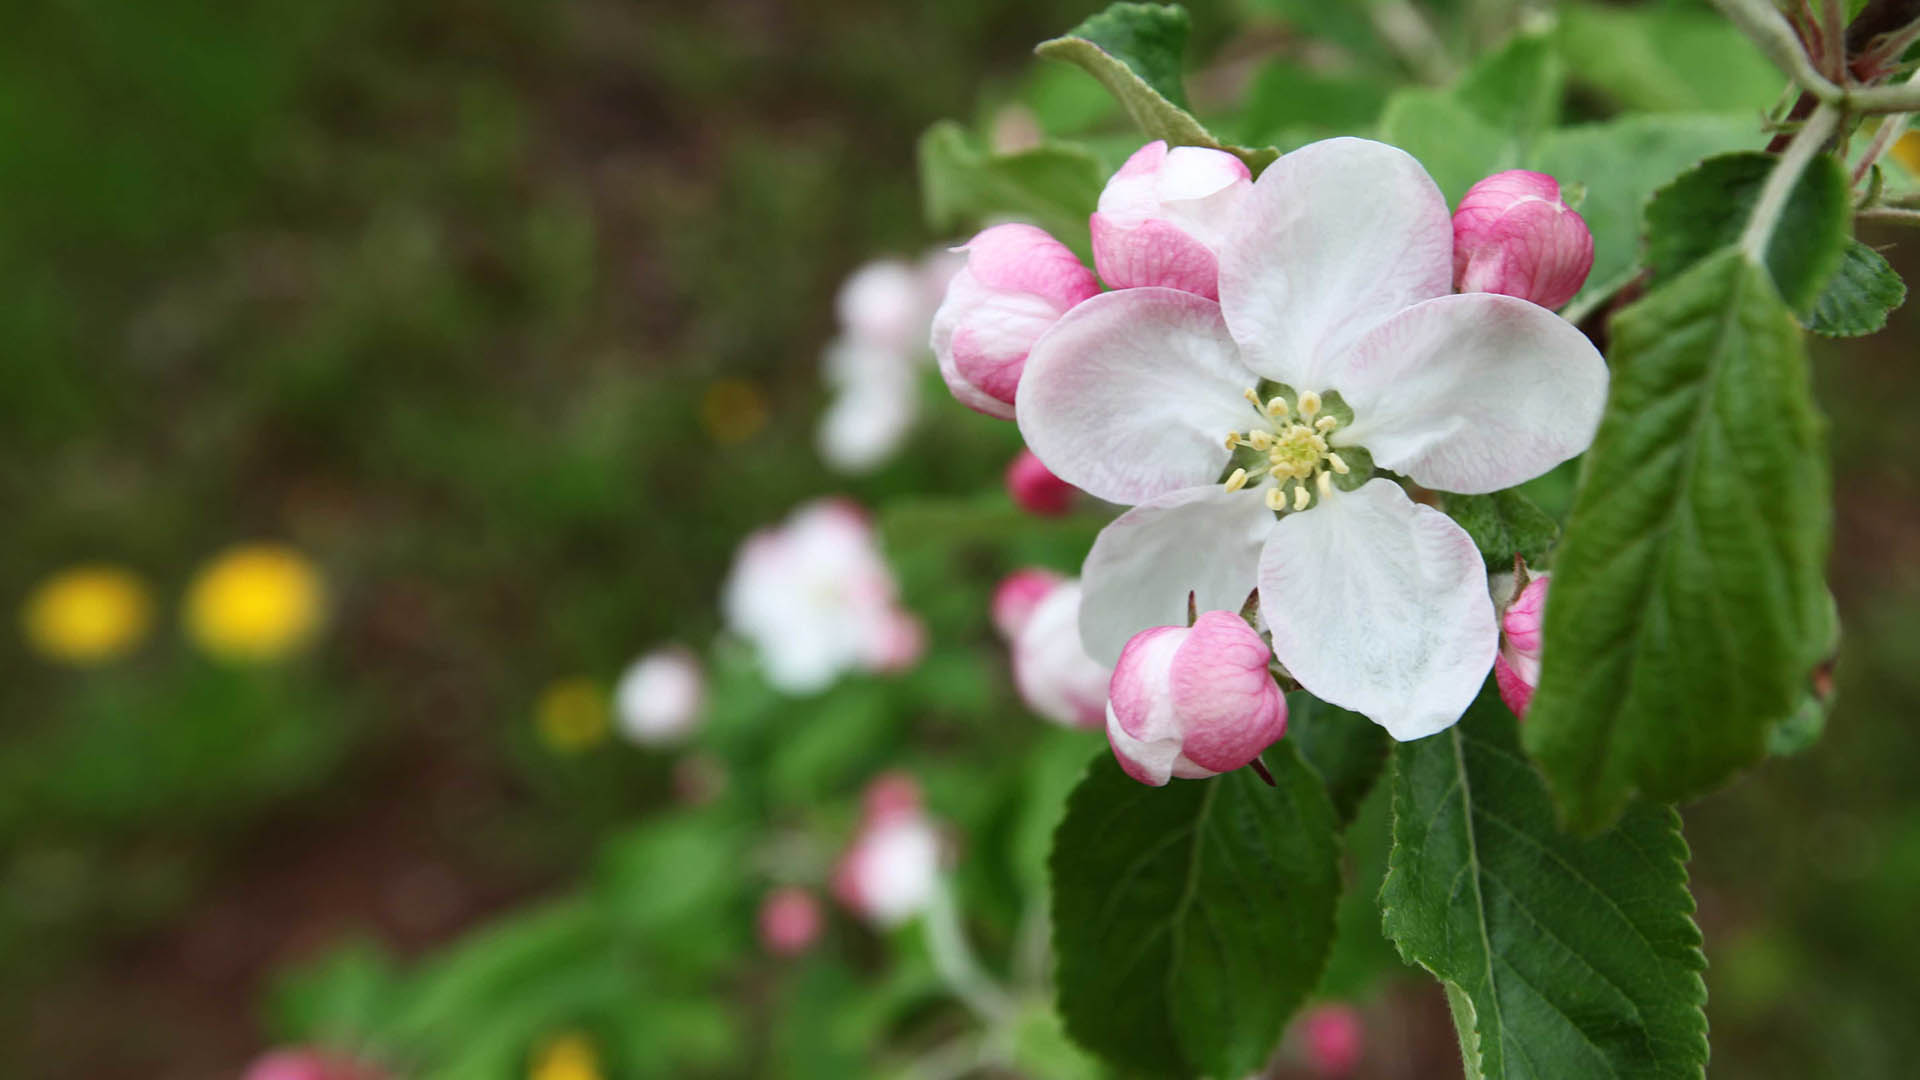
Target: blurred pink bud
x,y
659,697
1335,1038
1017,283
790,921
1516,668
1016,597
1513,235
1193,701
1051,668
880,305
892,869
306,1063
1035,489
1162,217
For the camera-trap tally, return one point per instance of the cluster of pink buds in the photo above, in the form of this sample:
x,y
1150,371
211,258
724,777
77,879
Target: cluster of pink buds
x,y
891,871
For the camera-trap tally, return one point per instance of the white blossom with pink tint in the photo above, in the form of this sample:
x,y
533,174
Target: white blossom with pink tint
x,y
1162,218
1193,701
1017,595
1337,333
891,871
815,599
1335,1038
790,921
1051,668
873,365
1016,284
1036,490
1512,234
659,697
1516,670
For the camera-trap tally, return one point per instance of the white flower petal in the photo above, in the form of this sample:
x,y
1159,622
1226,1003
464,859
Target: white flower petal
x,y
1333,238
1473,393
1132,393
1203,539
1379,605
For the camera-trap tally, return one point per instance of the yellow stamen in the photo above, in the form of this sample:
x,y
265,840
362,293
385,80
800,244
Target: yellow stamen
x,y
1309,404
1260,440
1238,480
1233,439
1277,407
1325,480
1338,463
1276,499
1325,424
1300,497
1252,396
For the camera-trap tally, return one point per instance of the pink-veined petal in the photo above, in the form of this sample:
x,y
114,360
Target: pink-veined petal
x,y
1379,605
1152,761
1474,392
1224,697
1132,393
1333,238
1203,539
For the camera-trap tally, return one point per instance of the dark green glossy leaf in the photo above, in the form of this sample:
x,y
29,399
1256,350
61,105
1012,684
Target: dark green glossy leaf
x,y
1190,920
1688,603
1563,957
1346,749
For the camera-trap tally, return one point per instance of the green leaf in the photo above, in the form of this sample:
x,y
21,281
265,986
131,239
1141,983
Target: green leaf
x,y
1292,104
1346,749
1620,164
1705,209
1503,525
1858,296
1455,145
1663,58
1563,957
1135,51
1362,956
1688,604
1054,186
1517,88
1191,920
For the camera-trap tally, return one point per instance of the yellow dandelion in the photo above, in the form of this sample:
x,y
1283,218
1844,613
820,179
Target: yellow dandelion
x,y
87,614
566,1057
255,602
571,715
733,411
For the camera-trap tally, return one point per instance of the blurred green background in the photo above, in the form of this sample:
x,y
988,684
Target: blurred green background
x,y
463,299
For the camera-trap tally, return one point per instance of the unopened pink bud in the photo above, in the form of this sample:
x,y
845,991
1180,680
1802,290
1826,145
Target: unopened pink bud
x,y
1516,668
790,921
1035,489
307,1063
1193,701
890,795
1335,1039
1513,235
1051,668
892,869
1017,595
1017,283
1163,216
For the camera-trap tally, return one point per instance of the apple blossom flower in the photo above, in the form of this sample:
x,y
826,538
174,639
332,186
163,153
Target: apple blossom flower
x,y
1051,668
815,599
873,365
1017,595
1036,490
1335,1040
1512,234
891,871
1516,668
1243,433
659,696
1193,701
1162,218
1018,281
790,921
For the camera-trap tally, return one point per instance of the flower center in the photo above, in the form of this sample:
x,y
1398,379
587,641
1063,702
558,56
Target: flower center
x,y
1289,448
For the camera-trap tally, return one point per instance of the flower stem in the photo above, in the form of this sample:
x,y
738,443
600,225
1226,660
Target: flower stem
x,y
1778,189
953,959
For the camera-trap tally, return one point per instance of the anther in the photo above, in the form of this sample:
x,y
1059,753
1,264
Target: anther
x,y
1276,499
1301,497
1276,407
1233,439
1309,404
1326,484
1252,396
1260,440
1338,463
1238,480
1325,424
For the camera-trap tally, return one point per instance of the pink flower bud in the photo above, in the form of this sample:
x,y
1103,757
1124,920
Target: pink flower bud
x,y
1335,1037
1035,489
1051,669
892,869
1016,597
659,697
1516,668
307,1063
1162,217
789,921
1017,283
1513,235
1193,701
